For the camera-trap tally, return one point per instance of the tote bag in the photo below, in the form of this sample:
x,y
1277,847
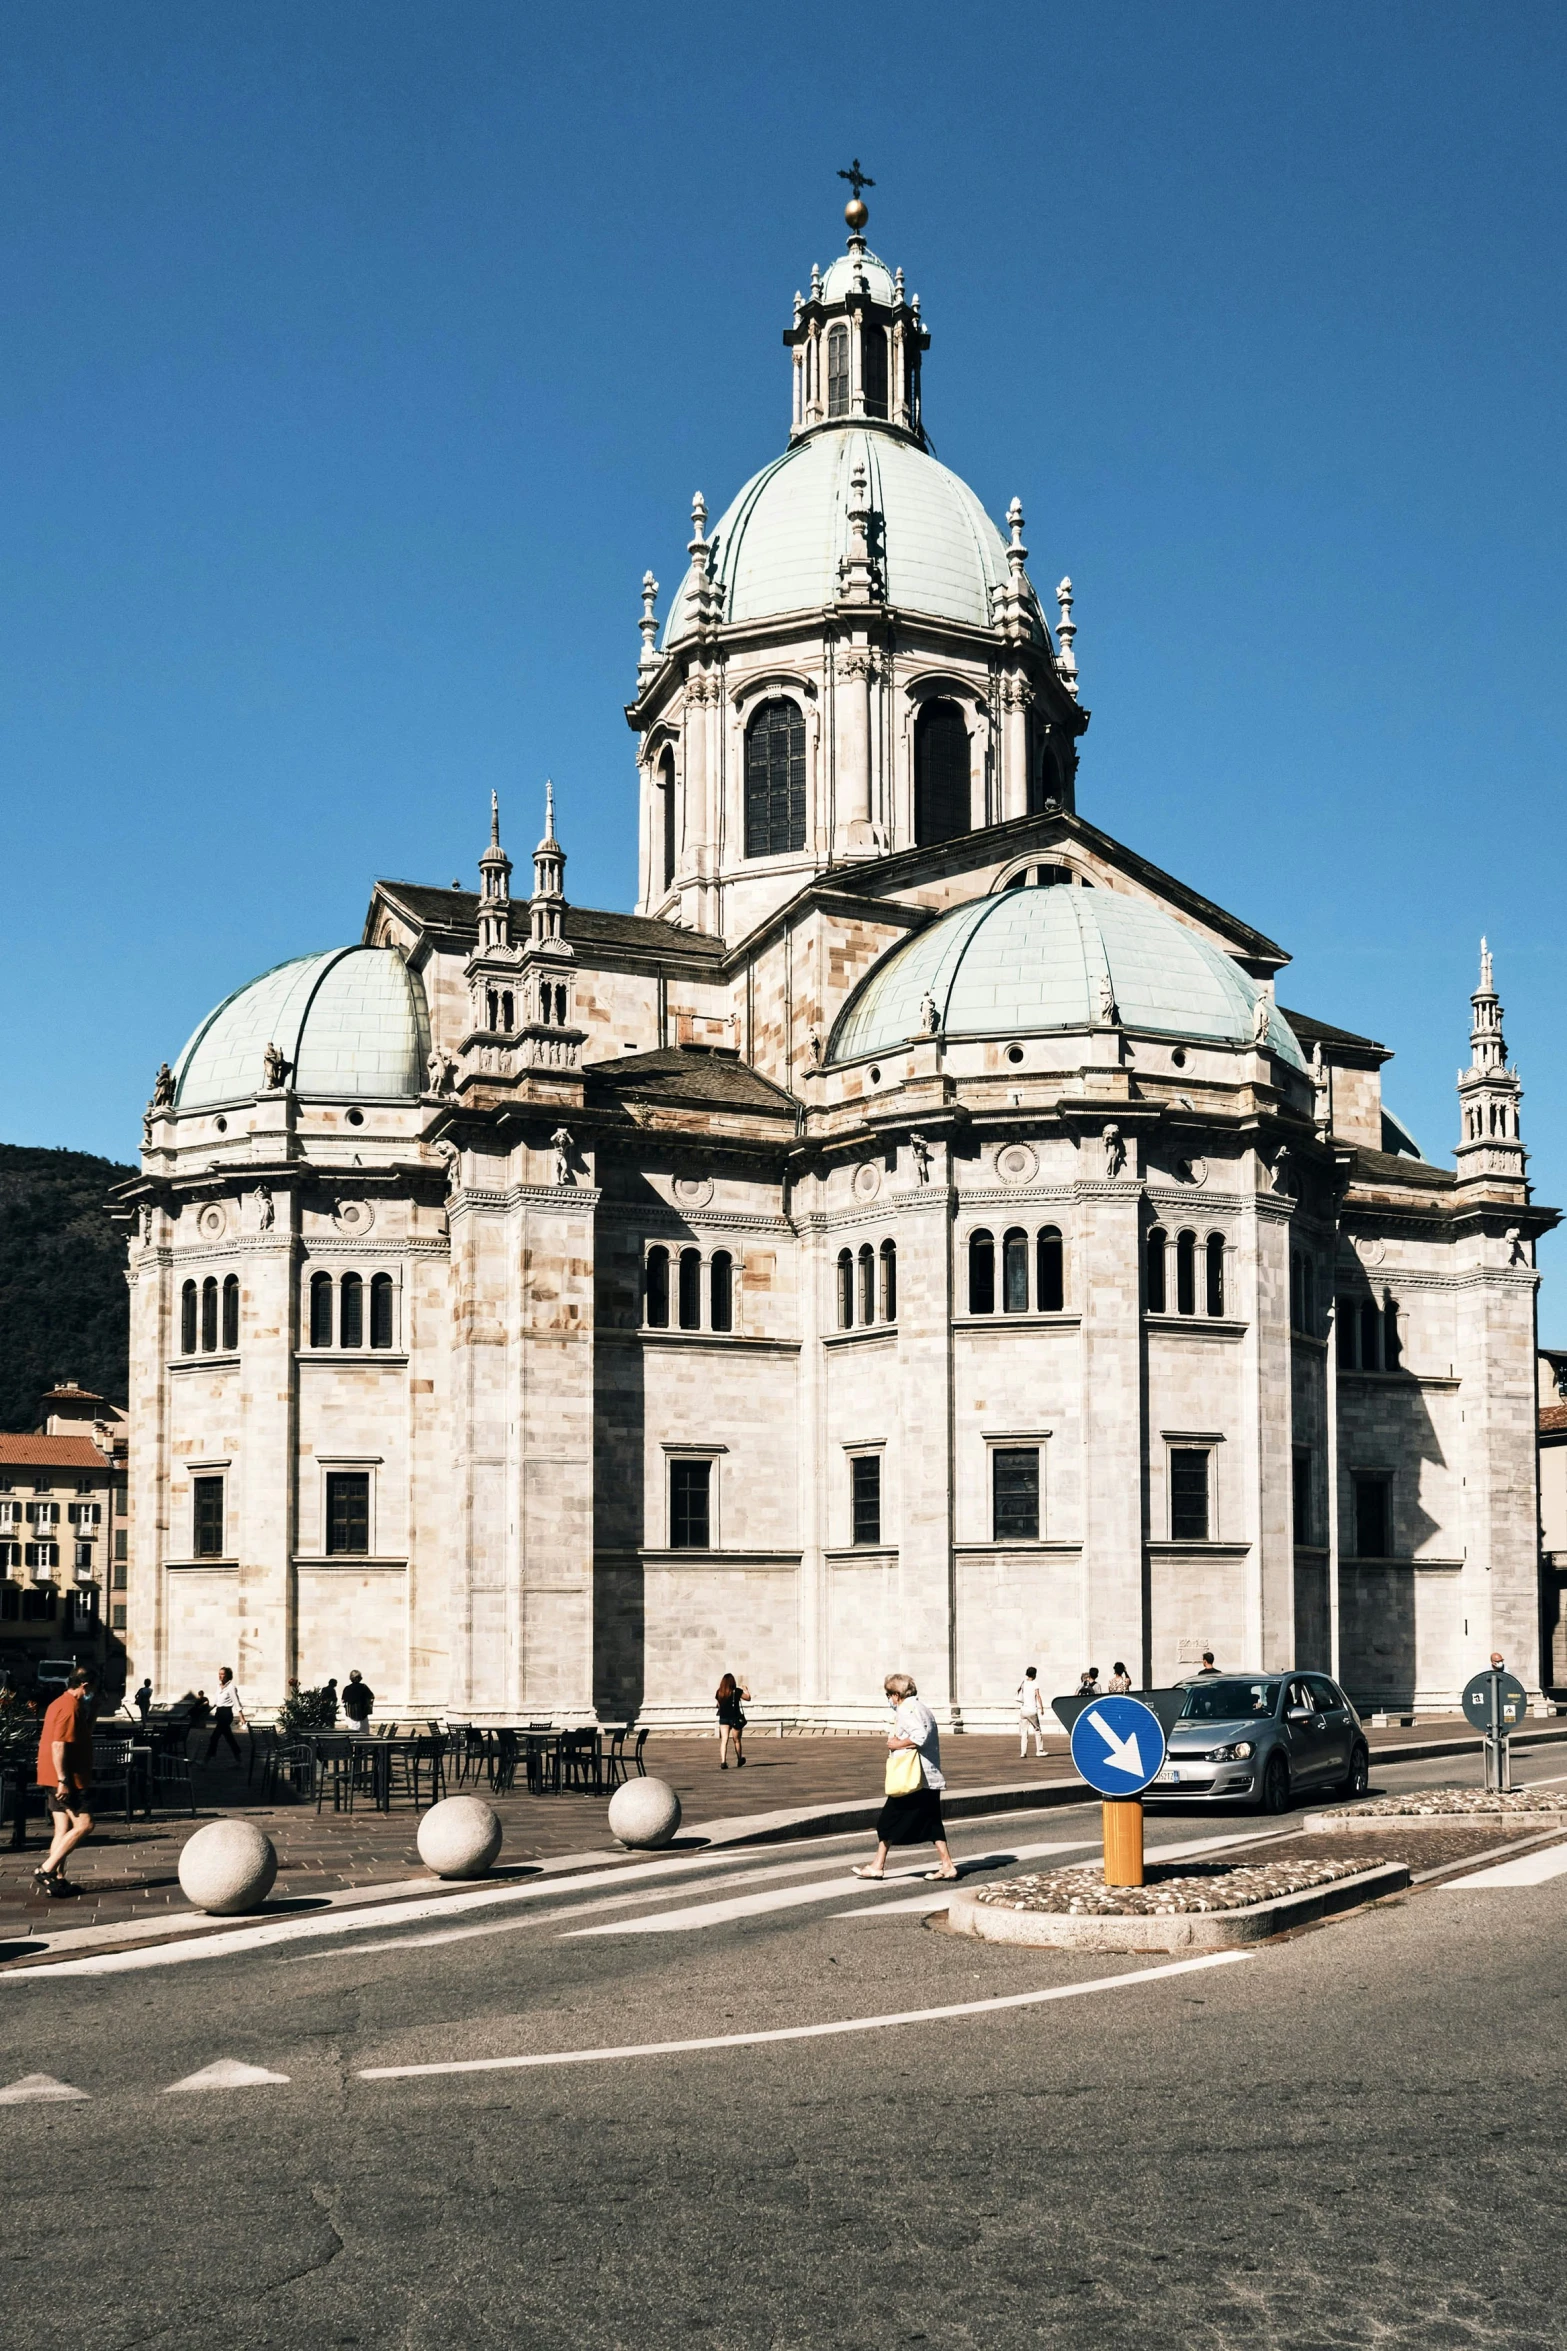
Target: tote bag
x,y
904,1775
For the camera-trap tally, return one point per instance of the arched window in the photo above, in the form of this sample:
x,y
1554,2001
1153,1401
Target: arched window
x,y
943,803
188,1319
867,1284
351,1312
1014,1272
230,1314
656,1290
873,370
506,1011
845,1289
321,1310
722,1283
209,1316
1370,1337
666,793
492,1009
560,1006
775,780
1186,1273
1050,1277
1392,1353
381,1311
690,1289
981,1273
1156,1282
1215,1261
838,370
889,1281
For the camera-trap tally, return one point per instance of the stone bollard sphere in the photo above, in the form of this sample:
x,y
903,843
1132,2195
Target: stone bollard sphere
x,y
459,1837
644,1812
228,1866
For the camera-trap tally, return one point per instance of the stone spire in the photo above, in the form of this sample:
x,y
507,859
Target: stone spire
x,y
549,879
859,573
648,659
1490,1148
1066,632
494,888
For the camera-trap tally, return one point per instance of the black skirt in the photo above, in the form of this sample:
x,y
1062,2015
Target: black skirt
x,y
911,1820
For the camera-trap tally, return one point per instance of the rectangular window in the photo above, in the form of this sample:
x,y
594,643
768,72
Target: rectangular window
x,y
122,1578
121,1494
1188,1494
10,1555
43,1555
207,1496
119,1618
1014,1493
865,1474
1373,1528
690,1499
120,1551
1300,1491
347,1510
84,1555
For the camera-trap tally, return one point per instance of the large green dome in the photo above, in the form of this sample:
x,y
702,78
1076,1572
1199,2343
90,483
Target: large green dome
x,y
779,544
353,1022
1030,960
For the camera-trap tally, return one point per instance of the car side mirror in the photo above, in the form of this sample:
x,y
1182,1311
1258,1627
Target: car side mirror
x,y
1298,1714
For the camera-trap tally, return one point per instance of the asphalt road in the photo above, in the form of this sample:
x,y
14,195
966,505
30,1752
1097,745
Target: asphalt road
x,y
1350,2137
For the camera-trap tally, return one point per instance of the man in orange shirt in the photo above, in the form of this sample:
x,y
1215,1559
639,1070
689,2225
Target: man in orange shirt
x,y
65,1772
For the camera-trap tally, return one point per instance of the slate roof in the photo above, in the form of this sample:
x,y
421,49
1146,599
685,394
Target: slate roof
x,y
585,926
690,1076
1381,1168
1309,1030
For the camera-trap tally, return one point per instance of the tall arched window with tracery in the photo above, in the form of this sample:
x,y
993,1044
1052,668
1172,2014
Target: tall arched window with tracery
x,y
666,811
942,798
838,370
873,370
775,780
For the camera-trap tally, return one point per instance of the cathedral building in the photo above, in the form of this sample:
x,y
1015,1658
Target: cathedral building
x,y
917,1237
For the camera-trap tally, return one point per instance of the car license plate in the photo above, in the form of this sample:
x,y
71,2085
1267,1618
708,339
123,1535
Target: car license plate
x,y
1171,1775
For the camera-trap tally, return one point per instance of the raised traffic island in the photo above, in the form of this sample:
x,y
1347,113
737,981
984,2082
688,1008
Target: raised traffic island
x,y
1440,1807
1195,1907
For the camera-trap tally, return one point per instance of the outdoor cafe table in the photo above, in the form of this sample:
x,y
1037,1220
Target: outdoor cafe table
x,y
379,1751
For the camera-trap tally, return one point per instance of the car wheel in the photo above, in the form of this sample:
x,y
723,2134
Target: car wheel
x,y
1358,1778
1276,1785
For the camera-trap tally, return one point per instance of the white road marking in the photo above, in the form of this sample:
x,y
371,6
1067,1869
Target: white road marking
x,y
806,2032
38,2086
1530,1869
227,2074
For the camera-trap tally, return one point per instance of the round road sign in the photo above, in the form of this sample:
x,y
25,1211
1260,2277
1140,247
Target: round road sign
x,y
1512,1702
1118,1745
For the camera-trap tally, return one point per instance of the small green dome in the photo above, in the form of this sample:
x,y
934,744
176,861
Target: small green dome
x,y
353,1022
779,544
859,272
1027,961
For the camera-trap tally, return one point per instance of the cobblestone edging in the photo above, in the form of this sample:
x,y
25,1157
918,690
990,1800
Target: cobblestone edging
x,y
1437,1807
1207,1918
1079,1892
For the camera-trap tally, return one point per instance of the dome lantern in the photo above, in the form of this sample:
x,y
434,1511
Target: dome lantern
x,y
857,339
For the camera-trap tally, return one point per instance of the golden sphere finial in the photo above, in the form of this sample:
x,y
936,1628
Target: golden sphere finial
x,y
856,213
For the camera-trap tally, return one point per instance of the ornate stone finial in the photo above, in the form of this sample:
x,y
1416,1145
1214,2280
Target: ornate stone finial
x,y
1487,987
698,523
816,281
1017,550
897,283
648,624
549,841
495,820
855,212
1066,631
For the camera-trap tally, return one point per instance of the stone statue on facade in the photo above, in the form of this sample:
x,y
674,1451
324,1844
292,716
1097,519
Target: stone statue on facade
x,y
451,1159
1109,1010
562,1146
1115,1152
930,1015
440,1072
163,1088
276,1071
813,1050
920,1152
1283,1171
1261,1020
144,1221
264,1211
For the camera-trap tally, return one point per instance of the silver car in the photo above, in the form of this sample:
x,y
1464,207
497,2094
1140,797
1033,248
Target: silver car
x,y
1261,1739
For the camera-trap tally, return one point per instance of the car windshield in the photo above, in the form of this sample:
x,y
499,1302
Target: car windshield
x,y
1224,1701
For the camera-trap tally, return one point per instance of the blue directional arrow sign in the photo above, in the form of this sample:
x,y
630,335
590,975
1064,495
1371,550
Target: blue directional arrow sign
x,y
1118,1745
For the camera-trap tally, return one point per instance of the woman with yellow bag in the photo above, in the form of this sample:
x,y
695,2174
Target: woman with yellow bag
x,y
912,1812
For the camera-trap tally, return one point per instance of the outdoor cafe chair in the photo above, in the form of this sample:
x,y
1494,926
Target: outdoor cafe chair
x,y
504,1758
114,1772
543,1760
579,1761
171,1781
336,1767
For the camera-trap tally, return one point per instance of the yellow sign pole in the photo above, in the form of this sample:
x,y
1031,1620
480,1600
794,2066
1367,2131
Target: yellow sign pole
x,y
1123,1829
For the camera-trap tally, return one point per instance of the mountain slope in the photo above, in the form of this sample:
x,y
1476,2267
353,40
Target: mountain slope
x,y
64,1310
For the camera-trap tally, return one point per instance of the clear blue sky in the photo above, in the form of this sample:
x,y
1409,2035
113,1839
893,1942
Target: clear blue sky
x,y
359,358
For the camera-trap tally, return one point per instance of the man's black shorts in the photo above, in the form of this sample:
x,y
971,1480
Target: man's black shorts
x,y
76,1801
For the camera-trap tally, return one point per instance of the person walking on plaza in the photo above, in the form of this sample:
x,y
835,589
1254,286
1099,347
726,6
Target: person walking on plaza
x,y
1088,1683
358,1700
1030,1712
1208,1671
731,1722
329,1702
911,1814
144,1699
1120,1680
225,1706
65,1774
